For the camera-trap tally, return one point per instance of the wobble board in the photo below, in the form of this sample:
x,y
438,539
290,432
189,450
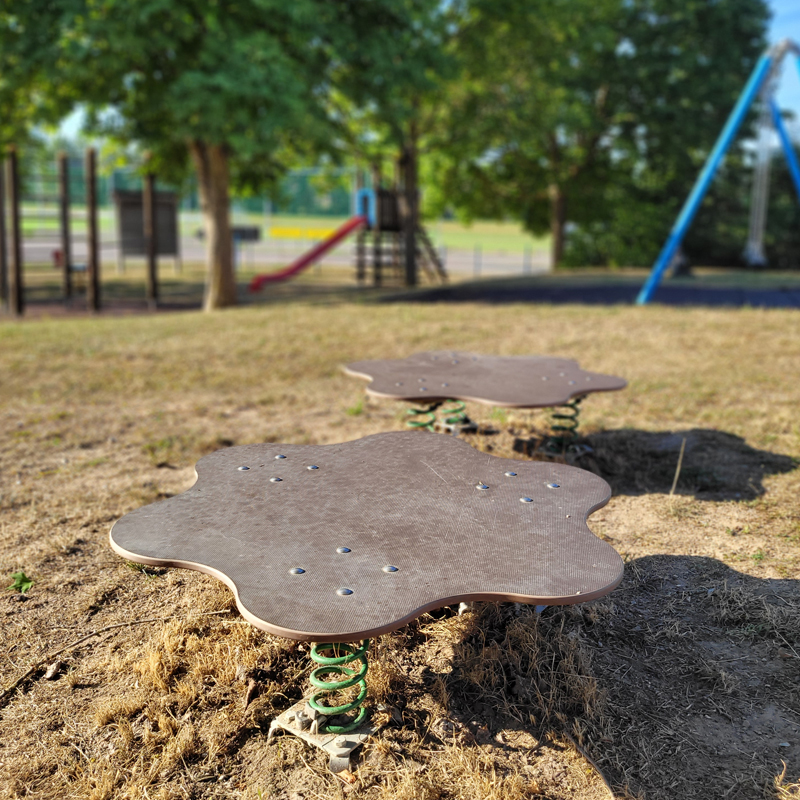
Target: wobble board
x,y
507,381
382,529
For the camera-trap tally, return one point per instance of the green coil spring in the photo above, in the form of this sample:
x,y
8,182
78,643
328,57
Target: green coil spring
x,y
423,417
455,415
338,665
565,425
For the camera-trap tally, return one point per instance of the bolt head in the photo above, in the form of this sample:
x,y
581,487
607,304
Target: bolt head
x,y
280,457
243,469
296,571
313,466
342,549
275,480
481,486
389,568
526,499
511,474
553,485
344,592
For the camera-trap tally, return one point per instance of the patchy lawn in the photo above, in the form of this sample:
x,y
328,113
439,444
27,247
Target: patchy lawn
x,y
123,682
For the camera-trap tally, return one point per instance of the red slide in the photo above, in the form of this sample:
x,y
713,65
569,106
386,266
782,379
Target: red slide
x,y
310,257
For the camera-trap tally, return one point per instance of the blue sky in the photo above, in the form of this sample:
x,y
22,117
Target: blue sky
x,y
786,25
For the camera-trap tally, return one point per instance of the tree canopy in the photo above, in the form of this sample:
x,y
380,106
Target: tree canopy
x,y
592,111
585,118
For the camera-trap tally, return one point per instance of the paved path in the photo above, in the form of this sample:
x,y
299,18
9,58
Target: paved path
x,y
766,291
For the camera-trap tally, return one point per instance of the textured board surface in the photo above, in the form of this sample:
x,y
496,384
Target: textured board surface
x,y
509,381
407,500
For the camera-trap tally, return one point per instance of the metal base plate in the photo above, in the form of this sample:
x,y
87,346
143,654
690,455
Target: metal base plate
x,y
338,746
467,426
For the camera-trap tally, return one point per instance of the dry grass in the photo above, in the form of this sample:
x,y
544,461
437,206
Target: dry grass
x,y
683,683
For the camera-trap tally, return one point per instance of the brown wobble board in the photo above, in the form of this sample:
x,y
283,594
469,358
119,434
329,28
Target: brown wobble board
x,y
507,381
346,541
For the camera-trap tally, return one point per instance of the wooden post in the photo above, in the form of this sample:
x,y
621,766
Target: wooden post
x,y
377,244
118,215
411,217
361,255
361,237
92,256
377,180
16,294
150,243
63,202
3,240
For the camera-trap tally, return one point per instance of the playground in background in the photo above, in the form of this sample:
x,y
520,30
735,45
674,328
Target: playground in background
x,y
384,229
59,251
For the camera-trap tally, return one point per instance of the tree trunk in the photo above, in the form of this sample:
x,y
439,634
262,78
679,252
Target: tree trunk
x,y
558,219
411,221
211,162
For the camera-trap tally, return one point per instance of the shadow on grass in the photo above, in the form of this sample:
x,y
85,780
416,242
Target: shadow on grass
x,y
715,466
127,295
681,679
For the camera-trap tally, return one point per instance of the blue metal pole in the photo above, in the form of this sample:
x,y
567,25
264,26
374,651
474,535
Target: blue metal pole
x,y
783,135
703,181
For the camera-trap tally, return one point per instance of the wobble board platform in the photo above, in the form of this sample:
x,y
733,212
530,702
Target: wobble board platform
x,y
507,381
381,530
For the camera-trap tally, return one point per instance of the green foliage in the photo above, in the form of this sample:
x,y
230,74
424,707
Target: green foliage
x,y
532,107
689,64
609,106
637,223
719,232
255,76
355,410
21,582
390,96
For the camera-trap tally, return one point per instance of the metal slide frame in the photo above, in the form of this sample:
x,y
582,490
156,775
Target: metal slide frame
x,y
788,148
765,67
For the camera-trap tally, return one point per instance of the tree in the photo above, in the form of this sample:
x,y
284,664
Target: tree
x,y
235,89
388,101
570,105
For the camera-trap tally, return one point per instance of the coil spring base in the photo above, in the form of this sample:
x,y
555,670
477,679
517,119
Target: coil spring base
x,y
422,418
302,721
453,417
352,676
564,426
